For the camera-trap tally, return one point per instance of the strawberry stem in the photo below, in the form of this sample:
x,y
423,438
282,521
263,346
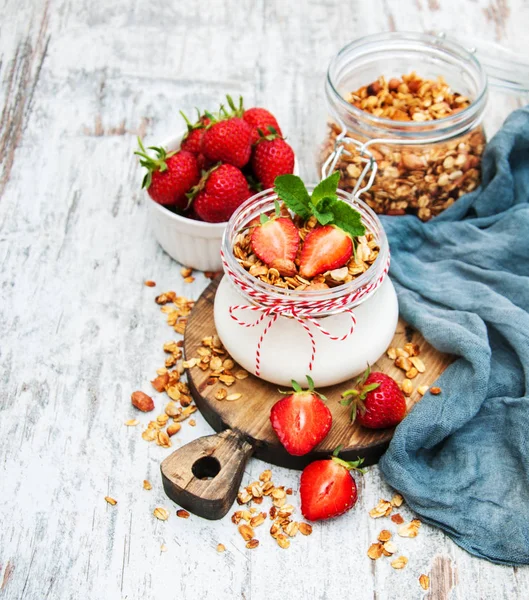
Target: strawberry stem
x,y
350,465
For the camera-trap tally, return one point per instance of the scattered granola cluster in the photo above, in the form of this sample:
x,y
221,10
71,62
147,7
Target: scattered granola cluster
x,y
366,251
222,368
384,546
421,180
407,359
283,526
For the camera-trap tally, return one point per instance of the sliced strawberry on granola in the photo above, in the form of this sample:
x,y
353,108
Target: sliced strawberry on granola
x,y
276,239
325,248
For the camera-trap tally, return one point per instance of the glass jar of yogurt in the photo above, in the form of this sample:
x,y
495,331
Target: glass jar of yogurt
x,y
284,334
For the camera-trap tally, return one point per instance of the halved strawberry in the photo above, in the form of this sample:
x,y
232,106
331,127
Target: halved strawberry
x,y
275,238
301,420
325,248
327,488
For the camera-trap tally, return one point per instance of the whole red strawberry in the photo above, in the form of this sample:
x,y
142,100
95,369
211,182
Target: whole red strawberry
x,y
377,400
301,420
271,157
169,176
192,141
228,140
327,488
220,192
260,119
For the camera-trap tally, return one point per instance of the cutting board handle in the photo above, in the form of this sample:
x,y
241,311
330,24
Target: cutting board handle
x,y
204,476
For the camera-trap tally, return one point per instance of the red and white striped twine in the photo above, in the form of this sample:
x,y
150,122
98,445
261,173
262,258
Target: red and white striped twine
x,y
304,311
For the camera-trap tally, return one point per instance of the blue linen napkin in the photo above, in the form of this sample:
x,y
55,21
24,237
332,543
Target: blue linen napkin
x,y
461,459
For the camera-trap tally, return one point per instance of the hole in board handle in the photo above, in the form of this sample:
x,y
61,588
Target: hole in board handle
x,y
206,467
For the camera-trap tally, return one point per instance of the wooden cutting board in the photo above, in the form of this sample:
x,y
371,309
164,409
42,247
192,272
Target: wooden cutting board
x,y
204,476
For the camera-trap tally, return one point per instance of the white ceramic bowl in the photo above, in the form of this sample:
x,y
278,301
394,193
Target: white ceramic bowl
x,y
192,243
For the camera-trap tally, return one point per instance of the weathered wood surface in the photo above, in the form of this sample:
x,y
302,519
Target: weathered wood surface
x,y
79,331
250,415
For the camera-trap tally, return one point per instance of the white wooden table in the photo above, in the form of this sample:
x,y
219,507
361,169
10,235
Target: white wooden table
x,y
79,331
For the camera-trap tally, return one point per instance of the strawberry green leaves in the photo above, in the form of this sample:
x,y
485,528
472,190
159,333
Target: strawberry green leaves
x,y
323,204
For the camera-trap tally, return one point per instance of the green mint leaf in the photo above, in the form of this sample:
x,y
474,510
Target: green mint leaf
x,y
326,188
347,218
292,190
263,218
323,211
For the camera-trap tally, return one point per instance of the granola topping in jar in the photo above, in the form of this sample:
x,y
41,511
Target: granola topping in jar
x,y
418,102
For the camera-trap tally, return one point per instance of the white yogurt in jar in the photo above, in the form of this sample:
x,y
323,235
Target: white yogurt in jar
x,y
284,350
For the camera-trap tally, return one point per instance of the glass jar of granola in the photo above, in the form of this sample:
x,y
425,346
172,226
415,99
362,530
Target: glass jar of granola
x,y
417,100
330,332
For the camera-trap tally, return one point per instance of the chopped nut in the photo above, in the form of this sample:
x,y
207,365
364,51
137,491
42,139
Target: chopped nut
x,y
233,397
228,364
265,476
186,271
412,373
375,551
435,391
132,422
163,548
292,528
149,435
422,389
173,429
215,363
397,518
401,353
278,493
147,484
253,543
162,439
409,530
400,562
150,283
397,500
172,410
258,519
161,514
382,509
192,422
241,374
305,528
183,514
389,548
227,379
392,353
412,349
246,531
282,541
424,581
403,363
162,419
384,535
111,500
189,279
142,402
221,394
160,382
407,387
243,497
173,392
418,364
221,548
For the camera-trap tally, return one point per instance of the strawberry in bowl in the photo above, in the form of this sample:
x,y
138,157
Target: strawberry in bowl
x,y
196,180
